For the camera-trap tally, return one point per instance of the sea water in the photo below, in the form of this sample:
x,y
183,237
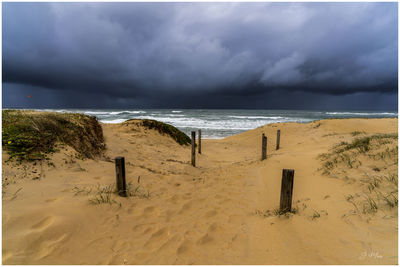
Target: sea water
x,y
220,123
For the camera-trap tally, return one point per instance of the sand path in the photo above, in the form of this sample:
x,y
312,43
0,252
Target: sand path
x,y
204,215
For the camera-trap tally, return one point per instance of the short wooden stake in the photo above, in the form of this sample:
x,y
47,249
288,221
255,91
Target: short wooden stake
x,y
199,141
278,138
263,147
286,190
194,148
120,170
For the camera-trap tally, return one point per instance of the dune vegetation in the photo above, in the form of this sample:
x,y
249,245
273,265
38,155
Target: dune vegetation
x,y
31,135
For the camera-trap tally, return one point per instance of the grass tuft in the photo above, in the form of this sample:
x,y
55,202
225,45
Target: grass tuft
x,y
369,206
357,133
276,212
103,195
348,153
137,191
361,144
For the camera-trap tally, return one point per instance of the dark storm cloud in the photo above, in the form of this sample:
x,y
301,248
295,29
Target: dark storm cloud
x,y
156,51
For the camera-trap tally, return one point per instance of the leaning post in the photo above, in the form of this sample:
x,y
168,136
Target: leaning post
x,y
263,147
286,190
199,141
278,138
120,171
194,148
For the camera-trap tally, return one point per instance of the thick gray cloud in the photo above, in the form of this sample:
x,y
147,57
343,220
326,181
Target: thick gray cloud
x,y
144,53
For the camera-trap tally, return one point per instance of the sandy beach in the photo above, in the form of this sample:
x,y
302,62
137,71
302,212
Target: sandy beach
x,y
223,211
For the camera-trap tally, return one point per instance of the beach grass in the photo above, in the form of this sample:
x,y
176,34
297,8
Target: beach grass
x,y
31,135
377,191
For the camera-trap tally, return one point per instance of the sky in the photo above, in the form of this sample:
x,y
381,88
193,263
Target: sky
x,y
330,56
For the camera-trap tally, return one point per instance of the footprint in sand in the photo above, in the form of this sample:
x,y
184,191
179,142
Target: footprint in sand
x,y
148,211
186,207
148,230
214,227
210,213
142,227
205,239
116,260
169,215
156,238
47,247
131,208
119,245
138,227
218,196
43,224
184,247
169,243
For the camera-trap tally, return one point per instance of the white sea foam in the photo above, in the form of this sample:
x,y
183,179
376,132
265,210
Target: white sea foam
x,y
63,111
220,124
127,112
113,121
96,112
177,111
257,117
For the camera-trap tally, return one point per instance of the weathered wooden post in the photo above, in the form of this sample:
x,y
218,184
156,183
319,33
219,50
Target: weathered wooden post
x,y
194,148
278,138
120,170
286,190
263,147
199,141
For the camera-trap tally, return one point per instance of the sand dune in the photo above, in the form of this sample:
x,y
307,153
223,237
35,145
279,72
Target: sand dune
x,y
223,211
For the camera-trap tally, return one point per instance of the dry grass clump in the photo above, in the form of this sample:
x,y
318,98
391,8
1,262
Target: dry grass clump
x,y
107,194
29,135
349,155
103,195
377,179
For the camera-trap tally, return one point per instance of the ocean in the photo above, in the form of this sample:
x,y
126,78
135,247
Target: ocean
x,y
220,123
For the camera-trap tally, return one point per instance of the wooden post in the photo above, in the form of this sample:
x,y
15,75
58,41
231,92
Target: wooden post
x,y
194,148
263,147
120,170
286,190
199,141
278,138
